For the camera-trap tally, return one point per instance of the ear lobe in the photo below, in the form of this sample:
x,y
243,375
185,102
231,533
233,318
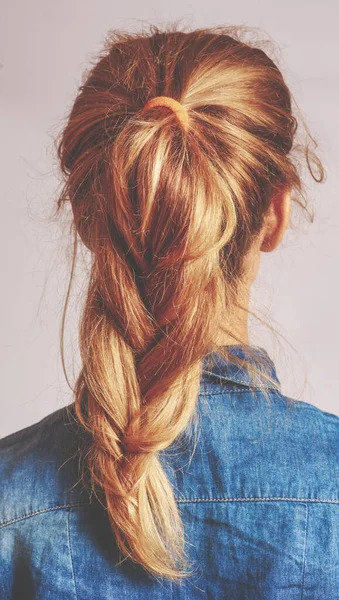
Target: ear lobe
x,y
276,220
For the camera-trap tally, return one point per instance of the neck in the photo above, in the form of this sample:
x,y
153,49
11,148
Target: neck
x,y
237,322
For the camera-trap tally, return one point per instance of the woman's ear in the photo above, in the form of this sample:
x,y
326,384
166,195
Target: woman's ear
x,y
276,220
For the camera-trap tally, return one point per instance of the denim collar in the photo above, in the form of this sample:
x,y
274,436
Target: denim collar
x,y
215,366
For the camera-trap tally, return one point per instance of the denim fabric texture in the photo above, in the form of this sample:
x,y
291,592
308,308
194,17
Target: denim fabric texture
x,y
259,500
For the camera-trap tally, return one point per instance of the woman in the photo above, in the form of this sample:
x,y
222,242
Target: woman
x,y
180,470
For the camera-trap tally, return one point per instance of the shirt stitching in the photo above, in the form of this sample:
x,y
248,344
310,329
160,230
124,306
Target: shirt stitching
x,y
234,389
42,510
257,499
234,384
70,553
304,557
183,500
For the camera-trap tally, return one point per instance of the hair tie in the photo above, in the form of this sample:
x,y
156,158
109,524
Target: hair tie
x,y
171,103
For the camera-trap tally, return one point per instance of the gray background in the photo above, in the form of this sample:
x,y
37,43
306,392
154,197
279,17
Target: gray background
x,y
45,48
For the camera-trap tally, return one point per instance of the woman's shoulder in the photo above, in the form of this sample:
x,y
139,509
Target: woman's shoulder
x,y
49,433
39,467
258,445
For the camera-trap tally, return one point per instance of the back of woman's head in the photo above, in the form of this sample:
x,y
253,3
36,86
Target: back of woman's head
x,y
168,213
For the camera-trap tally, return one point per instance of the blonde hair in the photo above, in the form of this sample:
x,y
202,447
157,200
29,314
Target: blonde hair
x,y
168,216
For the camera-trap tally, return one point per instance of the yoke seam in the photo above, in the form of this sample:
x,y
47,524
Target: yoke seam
x,y
43,510
182,501
257,499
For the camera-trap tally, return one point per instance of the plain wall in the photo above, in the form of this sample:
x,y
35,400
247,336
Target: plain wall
x,y
44,50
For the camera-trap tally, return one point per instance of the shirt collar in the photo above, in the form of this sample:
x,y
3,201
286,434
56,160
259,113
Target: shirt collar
x,y
216,366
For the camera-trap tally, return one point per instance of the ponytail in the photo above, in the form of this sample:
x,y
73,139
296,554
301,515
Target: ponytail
x,y
168,215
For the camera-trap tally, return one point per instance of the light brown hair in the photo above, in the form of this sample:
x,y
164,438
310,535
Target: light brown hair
x,y
168,217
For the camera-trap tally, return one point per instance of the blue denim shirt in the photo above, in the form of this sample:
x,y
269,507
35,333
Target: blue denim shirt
x,y
259,501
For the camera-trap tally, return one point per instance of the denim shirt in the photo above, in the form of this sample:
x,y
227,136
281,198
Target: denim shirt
x,y
259,501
